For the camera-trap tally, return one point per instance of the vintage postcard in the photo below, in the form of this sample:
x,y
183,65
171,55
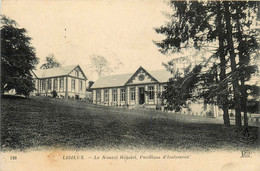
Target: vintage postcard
x,y
130,85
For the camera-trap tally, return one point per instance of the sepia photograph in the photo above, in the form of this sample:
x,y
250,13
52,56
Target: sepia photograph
x,y
130,85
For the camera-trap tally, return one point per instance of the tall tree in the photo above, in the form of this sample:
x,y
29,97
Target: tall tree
x,y
222,57
192,23
17,58
232,57
50,62
100,64
246,46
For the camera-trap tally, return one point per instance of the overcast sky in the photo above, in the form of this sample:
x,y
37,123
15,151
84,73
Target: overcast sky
x,y
74,30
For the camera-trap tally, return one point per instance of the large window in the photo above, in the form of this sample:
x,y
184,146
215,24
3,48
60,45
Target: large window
x,y
80,85
39,85
43,84
151,93
55,84
114,94
73,84
98,96
123,95
61,83
132,90
106,96
49,84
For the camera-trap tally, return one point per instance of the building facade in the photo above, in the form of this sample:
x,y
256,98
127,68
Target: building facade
x,y
68,82
130,90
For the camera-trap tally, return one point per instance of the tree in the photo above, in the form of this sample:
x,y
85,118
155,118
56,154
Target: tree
x,y
246,45
50,62
193,23
232,56
17,58
90,83
222,56
182,88
100,64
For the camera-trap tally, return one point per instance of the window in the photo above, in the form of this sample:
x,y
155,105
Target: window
x,y
77,73
132,93
62,83
49,84
114,95
55,84
151,93
98,95
43,84
122,94
81,85
73,84
106,95
39,85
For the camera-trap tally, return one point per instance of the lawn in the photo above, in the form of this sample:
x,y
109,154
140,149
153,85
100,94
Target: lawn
x,y
39,122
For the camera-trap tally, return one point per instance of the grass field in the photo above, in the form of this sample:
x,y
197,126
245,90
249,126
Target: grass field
x,y
39,122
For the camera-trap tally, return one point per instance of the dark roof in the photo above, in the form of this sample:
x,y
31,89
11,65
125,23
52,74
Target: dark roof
x,y
54,72
120,80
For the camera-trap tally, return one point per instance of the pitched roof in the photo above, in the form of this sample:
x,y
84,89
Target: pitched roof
x,y
53,72
112,81
161,75
121,80
137,71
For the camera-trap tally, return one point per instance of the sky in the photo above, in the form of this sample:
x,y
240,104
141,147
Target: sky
x,y
74,30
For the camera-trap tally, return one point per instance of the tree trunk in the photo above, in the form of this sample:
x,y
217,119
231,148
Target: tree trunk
x,y
222,64
2,91
230,43
241,63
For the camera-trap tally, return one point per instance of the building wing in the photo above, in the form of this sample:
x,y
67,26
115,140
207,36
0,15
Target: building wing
x,y
55,72
111,81
161,76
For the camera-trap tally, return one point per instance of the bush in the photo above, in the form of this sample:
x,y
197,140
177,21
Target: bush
x,y
158,107
209,114
54,94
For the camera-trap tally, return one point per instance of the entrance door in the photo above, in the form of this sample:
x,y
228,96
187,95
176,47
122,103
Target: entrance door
x,y
141,95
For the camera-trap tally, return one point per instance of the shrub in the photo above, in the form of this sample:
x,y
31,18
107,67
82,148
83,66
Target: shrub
x,y
158,107
54,94
209,114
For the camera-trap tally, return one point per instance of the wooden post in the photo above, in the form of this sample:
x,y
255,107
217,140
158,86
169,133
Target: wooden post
x,y
66,90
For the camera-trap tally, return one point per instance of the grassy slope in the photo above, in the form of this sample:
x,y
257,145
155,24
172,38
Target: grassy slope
x,y
45,122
